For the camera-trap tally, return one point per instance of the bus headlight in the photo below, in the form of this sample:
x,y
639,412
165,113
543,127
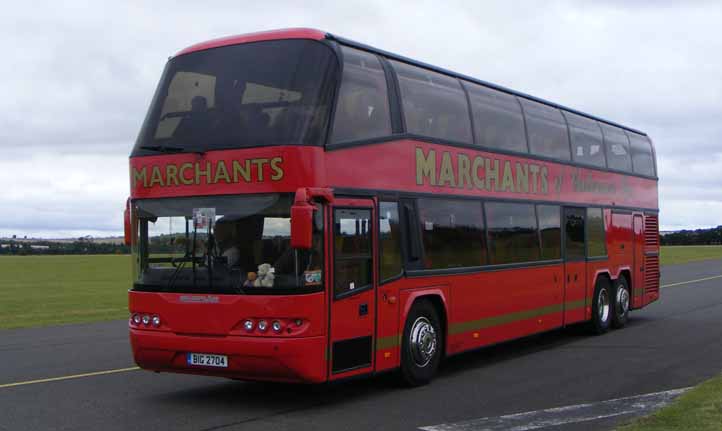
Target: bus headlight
x,y
262,325
276,326
155,321
146,319
248,325
136,319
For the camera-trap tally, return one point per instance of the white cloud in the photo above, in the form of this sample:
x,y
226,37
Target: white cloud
x,y
79,76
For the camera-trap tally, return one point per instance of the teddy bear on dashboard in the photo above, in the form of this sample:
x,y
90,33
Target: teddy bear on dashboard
x,y
265,276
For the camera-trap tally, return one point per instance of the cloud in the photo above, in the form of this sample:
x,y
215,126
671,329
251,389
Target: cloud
x,y
79,77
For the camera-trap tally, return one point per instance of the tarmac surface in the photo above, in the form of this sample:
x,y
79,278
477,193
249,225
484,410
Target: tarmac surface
x,y
672,344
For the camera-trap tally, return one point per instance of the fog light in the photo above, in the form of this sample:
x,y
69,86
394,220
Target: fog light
x,y
276,326
299,322
156,321
262,325
146,319
136,319
248,325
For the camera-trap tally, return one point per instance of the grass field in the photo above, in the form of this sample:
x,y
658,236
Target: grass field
x,y
49,290
700,409
689,253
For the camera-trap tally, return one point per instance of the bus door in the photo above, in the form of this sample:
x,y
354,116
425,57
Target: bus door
x,y
637,288
352,288
575,264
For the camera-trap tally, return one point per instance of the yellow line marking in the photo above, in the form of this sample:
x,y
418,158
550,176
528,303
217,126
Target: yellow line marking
x,y
74,376
692,281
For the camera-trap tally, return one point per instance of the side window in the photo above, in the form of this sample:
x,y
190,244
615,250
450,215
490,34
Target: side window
x,y
574,234
389,240
512,231
615,140
550,231
352,250
642,158
596,237
587,141
452,233
498,120
434,105
547,130
362,109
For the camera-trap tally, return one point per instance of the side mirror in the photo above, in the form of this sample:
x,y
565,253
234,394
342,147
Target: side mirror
x,y
301,225
127,225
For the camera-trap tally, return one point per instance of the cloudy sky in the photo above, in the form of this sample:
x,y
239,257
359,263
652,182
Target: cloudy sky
x,y
79,77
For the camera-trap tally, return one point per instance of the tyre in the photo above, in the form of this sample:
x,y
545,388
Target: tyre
x,y
620,304
601,306
422,344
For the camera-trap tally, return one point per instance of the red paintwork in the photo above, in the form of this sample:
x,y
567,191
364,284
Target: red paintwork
x,y
480,308
288,33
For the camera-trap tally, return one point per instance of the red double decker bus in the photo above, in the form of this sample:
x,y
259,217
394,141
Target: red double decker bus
x,y
305,208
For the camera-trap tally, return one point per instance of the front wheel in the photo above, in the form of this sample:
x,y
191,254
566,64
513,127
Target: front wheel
x,y
621,303
601,307
422,344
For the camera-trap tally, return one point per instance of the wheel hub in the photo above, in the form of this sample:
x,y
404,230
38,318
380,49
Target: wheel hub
x,y
622,300
422,342
603,305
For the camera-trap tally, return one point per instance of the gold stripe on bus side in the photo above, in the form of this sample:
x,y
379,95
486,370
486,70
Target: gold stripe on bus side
x,y
383,343
503,319
639,291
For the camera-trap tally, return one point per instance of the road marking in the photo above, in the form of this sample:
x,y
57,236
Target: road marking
x,y
637,405
692,281
74,376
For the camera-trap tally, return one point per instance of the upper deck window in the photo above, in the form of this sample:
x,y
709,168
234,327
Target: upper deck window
x,y
434,105
587,142
615,140
362,111
498,120
547,130
255,94
642,158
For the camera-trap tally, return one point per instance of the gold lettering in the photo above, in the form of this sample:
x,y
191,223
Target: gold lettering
x,y
544,181
522,177
183,177
534,169
171,175
447,170
492,173
425,166
508,179
140,176
203,173
156,177
277,169
464,171
221,173
478,179
259,167
243,171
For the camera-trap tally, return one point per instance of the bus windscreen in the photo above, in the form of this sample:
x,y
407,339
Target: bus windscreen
x,y
256,94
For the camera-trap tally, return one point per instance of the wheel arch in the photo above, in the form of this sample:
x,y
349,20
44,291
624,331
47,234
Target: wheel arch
x,y
439,299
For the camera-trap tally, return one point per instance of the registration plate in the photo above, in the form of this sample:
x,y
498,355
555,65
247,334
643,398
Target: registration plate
x,y
207,360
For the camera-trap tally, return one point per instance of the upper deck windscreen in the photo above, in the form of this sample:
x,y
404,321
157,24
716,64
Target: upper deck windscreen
x,y
257,94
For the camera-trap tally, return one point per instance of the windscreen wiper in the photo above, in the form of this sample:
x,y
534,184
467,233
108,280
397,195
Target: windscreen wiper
x,y
170,149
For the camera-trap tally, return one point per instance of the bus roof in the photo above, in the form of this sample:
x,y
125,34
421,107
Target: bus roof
x,y
314,34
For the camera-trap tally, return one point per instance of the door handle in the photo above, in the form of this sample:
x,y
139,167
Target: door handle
x,y
576,276
363,309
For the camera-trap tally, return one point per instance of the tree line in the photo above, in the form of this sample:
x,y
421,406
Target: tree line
x,y
23,248
712,236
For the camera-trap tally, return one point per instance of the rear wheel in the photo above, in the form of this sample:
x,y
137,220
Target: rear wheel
x,y
601,306
421,345
621,303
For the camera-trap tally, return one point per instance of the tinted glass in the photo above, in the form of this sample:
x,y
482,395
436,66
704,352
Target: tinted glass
x,y
389,239
596,238
352,249
263,93
617,145
512,231
547,130
550,231
452,233
362,109
574,233
642,158
587,143
434,105
498,120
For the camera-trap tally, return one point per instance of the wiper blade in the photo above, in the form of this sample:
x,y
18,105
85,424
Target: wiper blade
x,y
163,148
